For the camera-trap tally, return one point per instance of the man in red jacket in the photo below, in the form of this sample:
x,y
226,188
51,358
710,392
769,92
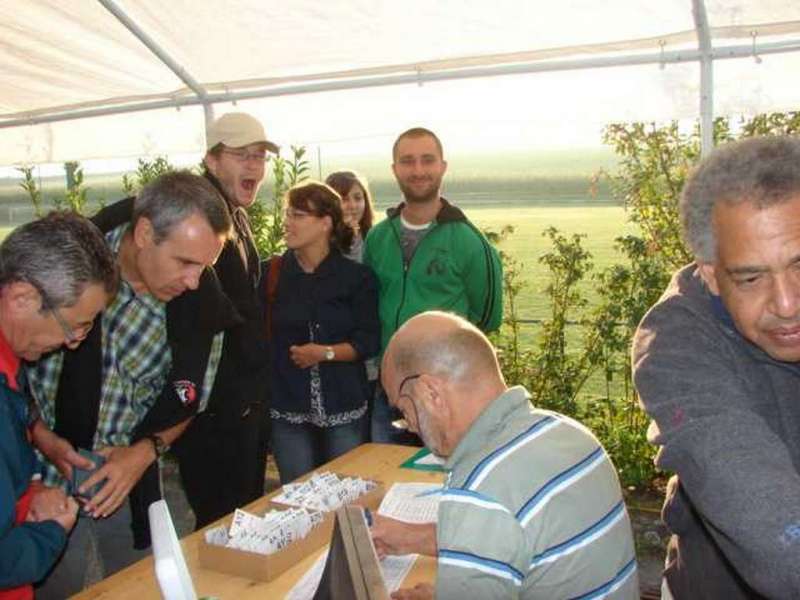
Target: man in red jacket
x,y
56,275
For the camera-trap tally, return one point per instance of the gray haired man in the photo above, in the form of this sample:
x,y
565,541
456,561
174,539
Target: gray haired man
x,y
56,275
532,506
716,366
144,370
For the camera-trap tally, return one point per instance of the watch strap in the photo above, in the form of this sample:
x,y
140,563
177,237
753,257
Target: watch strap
x,y
159,445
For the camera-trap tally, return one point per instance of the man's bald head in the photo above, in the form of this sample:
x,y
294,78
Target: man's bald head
x,y
441,372
445,345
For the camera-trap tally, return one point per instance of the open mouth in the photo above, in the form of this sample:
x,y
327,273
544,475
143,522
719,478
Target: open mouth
x,y
248,185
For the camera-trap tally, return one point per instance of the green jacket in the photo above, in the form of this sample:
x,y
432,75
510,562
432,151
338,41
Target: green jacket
x,y
454,268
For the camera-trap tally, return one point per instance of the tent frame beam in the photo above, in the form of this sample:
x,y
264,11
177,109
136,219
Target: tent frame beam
x,y
417,78
180,72
706,77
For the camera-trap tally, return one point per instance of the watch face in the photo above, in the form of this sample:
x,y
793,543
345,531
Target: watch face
x,y
329,354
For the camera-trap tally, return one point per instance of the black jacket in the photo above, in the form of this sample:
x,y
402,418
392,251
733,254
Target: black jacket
x,y
193,319
340,301
243,375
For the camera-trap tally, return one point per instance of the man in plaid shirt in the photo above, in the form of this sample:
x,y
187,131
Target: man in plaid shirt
x,y
143,371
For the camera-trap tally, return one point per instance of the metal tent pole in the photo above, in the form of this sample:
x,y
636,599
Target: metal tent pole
x,y
706,77
162,55
657,58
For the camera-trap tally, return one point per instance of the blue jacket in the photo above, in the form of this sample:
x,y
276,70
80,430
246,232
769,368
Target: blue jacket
x,y
340,301
27,551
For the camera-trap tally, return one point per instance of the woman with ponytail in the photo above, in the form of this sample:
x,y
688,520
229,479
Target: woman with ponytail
x,y
323,322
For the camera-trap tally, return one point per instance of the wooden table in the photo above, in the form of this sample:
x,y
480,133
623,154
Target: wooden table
x,y
371,461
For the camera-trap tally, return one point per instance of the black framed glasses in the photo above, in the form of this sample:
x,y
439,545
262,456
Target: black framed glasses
x,y
71,336
405,381
241,155
403,423
69,333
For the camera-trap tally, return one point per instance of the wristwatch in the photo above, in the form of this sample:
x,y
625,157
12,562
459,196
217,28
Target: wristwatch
x,y
158,445
329,353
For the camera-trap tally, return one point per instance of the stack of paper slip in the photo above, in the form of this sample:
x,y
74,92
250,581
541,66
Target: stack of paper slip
x,y
268,534
324,491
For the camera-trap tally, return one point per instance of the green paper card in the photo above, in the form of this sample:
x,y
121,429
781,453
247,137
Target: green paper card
x,y
424,461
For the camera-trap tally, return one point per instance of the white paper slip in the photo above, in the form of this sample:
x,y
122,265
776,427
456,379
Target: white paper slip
x,y
395,569
307,585
324,491
430,459
412,502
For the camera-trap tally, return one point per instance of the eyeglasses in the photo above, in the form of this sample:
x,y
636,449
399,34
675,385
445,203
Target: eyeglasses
x,y
291,214
405,381
403,423
243,156
71,336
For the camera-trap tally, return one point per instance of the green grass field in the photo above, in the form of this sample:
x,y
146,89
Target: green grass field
x,y
546,194
600,224
531,191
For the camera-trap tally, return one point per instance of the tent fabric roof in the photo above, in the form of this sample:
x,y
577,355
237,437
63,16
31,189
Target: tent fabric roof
x,y
59,60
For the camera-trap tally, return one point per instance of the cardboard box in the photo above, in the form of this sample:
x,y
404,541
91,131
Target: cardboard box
x,y
266,567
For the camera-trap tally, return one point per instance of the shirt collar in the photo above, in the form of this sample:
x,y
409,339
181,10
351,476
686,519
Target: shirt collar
x,y
9,362
485,426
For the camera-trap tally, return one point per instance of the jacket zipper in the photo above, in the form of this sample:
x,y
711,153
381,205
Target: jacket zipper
x,y
406,267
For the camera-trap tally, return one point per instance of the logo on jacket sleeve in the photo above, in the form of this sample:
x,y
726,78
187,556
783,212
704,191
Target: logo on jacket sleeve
x,y
186,391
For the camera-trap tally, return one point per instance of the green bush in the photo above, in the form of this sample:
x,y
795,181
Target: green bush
x,y
33,190
654,164
267,218
146,171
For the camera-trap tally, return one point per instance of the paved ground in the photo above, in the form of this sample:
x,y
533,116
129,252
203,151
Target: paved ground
x,y
651,539
182,515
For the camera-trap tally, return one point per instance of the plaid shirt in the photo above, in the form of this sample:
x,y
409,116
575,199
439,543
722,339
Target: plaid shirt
x,y
135,360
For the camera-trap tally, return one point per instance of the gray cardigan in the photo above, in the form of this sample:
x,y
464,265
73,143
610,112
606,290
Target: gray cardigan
x,y
727,419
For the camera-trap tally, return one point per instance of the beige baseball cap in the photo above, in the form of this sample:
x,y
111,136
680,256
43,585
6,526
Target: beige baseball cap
x,y
236,130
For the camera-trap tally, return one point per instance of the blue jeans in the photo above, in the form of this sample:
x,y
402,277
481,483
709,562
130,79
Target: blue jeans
x,y
381,427
299,449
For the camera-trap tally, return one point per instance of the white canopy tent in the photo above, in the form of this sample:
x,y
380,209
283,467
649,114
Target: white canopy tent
x,y
108,78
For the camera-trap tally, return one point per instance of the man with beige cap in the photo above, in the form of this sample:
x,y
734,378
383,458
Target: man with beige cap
x,y
237,151
223,453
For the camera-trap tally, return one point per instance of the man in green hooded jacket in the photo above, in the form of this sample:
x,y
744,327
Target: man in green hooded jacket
x,y
428,256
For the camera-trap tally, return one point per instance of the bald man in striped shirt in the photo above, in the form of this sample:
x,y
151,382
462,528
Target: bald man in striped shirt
x,y
531,507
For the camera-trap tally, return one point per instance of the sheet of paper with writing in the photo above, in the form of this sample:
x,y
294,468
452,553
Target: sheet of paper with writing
x,y
412,502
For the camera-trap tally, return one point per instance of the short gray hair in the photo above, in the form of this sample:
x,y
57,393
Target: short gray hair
x,y
60,255
173,197
762,170
460,352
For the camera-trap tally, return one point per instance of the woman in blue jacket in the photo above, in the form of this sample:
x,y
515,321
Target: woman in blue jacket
x,y
322,314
